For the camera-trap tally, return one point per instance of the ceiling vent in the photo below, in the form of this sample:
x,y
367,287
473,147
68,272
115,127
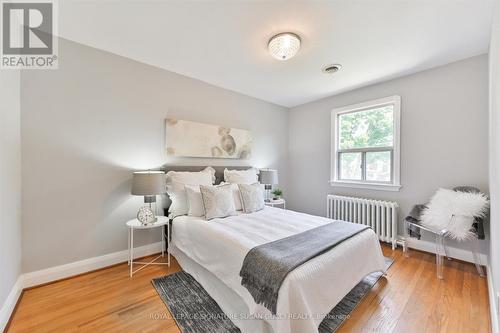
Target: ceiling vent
x,y
330,69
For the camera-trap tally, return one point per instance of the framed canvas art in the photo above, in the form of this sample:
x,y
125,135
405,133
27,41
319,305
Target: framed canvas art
x,y
193,139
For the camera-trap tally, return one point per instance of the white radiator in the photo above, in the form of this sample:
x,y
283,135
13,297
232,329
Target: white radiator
x,y
381,216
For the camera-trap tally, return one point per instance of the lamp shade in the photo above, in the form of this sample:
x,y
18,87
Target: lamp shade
x,y
269,176
148,183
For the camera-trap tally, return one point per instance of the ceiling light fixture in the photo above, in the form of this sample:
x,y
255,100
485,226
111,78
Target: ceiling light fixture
x,y
330,69
284,46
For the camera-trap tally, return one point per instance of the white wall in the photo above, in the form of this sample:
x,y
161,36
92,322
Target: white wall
x,y
10,183
494,58
89,124
444,137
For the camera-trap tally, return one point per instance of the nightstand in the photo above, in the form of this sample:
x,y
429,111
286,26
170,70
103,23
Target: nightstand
x,y
163,224
278,202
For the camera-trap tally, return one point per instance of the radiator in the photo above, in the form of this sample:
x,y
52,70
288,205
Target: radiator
x,y
381,216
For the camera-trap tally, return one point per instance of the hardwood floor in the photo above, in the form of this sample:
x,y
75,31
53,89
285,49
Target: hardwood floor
x,y
411,299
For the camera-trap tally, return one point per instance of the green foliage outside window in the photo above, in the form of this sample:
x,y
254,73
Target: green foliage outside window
x,y
369,128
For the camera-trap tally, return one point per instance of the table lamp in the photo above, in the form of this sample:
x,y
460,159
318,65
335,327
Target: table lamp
x,y
148,184
268,177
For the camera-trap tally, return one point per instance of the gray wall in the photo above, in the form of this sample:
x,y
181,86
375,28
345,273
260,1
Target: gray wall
x,y
444,137
10,182
88,125
494,151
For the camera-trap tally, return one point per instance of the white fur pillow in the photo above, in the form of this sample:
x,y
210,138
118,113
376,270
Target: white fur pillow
x,y
455,212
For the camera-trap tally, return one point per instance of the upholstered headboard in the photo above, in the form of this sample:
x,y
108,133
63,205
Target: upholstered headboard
x,y
219,175
219,170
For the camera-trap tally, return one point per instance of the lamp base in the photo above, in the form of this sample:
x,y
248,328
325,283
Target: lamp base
x,y
150,222
268,188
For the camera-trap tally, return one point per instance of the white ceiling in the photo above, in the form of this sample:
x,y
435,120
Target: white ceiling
x,y
224,42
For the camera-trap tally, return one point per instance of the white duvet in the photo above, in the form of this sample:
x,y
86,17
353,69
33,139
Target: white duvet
x,y
309,292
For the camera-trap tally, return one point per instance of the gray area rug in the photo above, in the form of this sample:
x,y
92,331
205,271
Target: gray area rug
x,y
196,312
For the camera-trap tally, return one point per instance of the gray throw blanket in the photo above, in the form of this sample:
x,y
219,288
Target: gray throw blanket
x,y
266,266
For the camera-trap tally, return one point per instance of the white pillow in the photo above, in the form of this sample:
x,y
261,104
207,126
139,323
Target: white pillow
x,y
252,197
195,205
176,180
248,176
236,195
217,201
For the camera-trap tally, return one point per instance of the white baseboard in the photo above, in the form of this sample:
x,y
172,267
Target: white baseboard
x,y
86,265
493,301
64,271
453,252
10,303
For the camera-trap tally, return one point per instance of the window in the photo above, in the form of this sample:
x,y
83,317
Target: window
x,y
365,145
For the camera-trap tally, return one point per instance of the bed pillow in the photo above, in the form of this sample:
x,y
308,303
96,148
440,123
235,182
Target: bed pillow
x,y
217,201
195,204
248,176
252,197
176,181
236,195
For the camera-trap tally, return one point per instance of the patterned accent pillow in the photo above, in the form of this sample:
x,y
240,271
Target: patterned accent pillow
x,y
217,201
252,197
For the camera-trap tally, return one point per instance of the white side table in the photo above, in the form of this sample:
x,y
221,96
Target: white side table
x,y
279,202
162,223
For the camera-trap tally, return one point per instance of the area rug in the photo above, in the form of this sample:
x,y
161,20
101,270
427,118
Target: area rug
x,y
196,312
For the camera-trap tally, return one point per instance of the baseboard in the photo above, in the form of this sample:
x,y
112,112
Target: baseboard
x,y
453,252
10,303
86,265
35,278
493,301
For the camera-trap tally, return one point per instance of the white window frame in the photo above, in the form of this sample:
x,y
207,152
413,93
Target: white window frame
x,y
395,183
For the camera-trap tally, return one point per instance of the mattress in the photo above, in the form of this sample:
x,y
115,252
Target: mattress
x,y
307,294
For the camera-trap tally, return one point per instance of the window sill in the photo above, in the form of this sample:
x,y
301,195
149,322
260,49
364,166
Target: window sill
x,y
366,186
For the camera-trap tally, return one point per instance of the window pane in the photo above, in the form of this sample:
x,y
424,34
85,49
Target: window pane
x,y
368,128
350,166
378,166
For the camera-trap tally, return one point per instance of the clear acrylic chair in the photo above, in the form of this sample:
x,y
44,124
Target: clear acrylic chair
x,y
440,236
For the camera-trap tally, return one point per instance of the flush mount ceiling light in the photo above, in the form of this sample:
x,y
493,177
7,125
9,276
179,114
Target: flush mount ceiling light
x,y
284,46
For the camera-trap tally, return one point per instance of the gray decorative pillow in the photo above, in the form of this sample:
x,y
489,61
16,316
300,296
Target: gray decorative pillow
x,y
217,201
252,197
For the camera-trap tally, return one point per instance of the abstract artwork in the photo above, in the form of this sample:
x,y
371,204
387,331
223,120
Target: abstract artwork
x,y
193,139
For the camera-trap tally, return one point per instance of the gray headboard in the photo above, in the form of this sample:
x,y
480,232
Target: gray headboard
x,y
219,175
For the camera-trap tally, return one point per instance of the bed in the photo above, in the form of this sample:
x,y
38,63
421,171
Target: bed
x,y
213,253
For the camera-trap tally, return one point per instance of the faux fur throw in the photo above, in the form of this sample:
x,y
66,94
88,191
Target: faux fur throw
x,y
455,212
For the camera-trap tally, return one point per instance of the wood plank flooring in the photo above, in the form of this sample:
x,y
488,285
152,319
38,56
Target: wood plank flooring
x,y
411,299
